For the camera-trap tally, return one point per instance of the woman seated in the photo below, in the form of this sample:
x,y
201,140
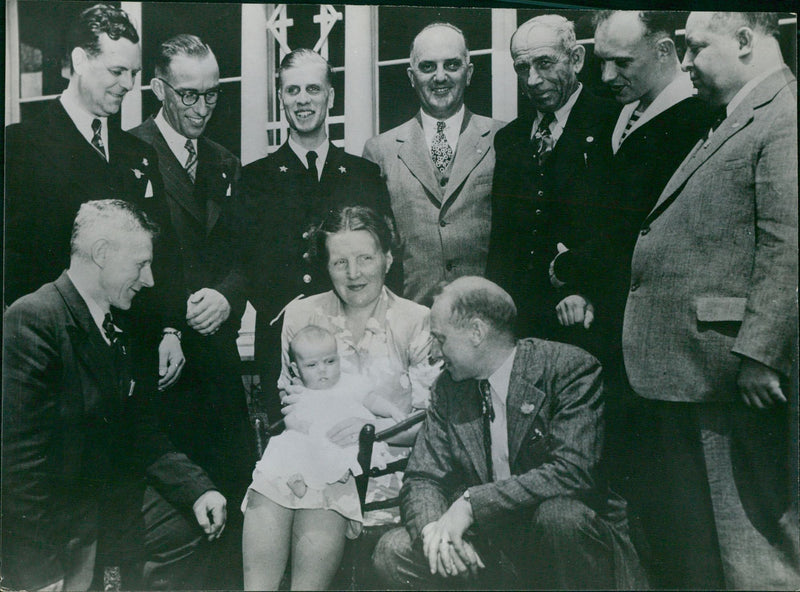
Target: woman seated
x,y
381,337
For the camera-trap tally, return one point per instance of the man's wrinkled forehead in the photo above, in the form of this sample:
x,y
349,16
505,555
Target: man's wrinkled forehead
x,y
441,34
536,40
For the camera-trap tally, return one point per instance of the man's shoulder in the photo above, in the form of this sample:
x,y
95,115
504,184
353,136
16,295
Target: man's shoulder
x,y
35,308
551,357
388,138
219,152
486,123
145,131
353,161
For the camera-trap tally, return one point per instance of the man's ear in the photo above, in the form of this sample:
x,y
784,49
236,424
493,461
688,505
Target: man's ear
x,y
331,94
744,37
577,55
389,260
100,251
410,73
79,58
158,88
665,48
478,330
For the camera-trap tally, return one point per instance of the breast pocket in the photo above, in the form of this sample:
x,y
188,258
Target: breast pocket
x,y
535,448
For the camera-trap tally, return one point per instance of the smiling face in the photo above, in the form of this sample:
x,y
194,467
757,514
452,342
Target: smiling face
x,y
306,95
453,345
126,268
440,71
188,73
316,361
357,267
712,59
629,61
103,80
547,74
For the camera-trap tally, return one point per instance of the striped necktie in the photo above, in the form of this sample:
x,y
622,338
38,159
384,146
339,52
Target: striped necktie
x,y
487,410
97,137
191,161
631,122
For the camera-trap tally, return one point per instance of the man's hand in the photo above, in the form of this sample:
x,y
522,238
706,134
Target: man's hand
x,y
170,361
447,552
759,385
206,310
574,310
210,511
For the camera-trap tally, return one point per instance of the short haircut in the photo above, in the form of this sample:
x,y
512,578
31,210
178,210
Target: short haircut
x,y
763,22
110,219
295,58
91,23
179,45
657,23
485,300
562,27
351,218
432,26
313,333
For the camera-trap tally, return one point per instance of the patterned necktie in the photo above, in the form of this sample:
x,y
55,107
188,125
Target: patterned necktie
x,y
311,157
441,152
543,139
487,410
110,329
97,137
191,160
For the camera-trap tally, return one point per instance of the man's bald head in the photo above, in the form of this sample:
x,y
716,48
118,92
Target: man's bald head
x,y
469,297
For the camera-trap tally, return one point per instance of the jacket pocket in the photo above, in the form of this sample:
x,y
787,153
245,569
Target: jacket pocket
x,y
715,309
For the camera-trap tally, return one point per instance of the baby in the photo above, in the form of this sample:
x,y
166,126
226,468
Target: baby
x,y
303,454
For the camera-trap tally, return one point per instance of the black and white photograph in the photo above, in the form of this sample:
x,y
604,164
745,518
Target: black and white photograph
x,y
488,296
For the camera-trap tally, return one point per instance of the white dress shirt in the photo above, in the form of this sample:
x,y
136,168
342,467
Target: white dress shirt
x,y
452,128
83,118
98,312
562,114
321,150
498,382
175,140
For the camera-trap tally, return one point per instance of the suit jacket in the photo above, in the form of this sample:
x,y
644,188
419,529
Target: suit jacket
x,y
443,221
533,208
714,271
209,219
72,424
555,438
50,171
285,202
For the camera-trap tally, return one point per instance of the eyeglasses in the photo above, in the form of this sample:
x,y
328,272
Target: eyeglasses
x,y
190,97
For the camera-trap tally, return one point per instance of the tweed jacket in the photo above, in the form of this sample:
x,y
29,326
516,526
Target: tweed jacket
x,y
443,220
72,422
714,271
534,208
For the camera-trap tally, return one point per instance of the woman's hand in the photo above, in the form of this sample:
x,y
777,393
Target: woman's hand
x,y
345,433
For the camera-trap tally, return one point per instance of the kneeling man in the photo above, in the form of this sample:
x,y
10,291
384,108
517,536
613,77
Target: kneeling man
x,y
503,487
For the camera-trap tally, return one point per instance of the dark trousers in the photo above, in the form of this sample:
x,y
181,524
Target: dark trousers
x,y
562,545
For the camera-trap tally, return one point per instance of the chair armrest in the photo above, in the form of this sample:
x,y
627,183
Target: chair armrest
x,y
401,426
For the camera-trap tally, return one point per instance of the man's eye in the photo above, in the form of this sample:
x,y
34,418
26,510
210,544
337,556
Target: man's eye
x,y
426,67
292,90
314,90
521,67
453,66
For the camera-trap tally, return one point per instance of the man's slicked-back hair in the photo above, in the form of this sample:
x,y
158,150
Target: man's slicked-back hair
x,y
108,219
432,26
562,27
485,300
179,45
94,21
763,22
295,58
657,23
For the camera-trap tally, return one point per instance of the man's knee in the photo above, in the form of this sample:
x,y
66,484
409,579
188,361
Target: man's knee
x,y
563,519
393,549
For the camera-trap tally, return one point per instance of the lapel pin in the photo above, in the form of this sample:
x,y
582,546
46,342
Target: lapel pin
x,y
282,169
145,163
590,139
139,174
527,408
224,175
342,170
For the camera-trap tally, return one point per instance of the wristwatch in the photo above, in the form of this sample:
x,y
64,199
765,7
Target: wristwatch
x,y
466,496
174,332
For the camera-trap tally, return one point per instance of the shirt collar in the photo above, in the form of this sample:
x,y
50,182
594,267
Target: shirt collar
x,y
82,118
452,126
321,150
748,88
562,113
97,311
501,378
176,141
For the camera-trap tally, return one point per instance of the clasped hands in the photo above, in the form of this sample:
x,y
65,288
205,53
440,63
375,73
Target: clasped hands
x,y
211,513
447,552
206,310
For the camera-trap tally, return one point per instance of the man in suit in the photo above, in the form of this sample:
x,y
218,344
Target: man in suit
x,y
438,168
291,190
504,475
77,433
711,320
201,187
551,166
71,154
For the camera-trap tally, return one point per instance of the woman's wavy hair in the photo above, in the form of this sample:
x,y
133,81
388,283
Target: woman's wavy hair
x,y
351,218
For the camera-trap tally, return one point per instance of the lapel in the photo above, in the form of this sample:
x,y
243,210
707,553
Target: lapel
x,y
213,179
582,127
473,146
331,171
524,400
412,151
177,183
468,427
740,119
94,354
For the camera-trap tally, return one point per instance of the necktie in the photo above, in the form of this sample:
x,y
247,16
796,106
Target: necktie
x,y
487,410
631,122
97,138
110,329
191,160
311,157
116,338
543,139
441,152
